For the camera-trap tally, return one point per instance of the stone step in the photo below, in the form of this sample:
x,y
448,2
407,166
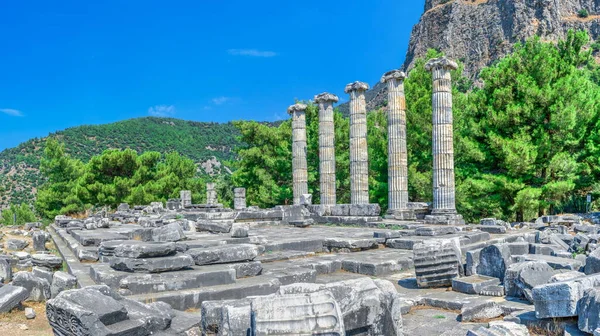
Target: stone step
x,y
376,262
193,298
135,283
283,255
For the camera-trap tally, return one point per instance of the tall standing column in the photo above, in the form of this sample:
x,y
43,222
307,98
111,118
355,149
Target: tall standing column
x,y
397,152
299,165
444,207
211,193
359,158
326,147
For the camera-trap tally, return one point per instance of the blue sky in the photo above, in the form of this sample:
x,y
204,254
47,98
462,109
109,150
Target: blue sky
x,y
68,63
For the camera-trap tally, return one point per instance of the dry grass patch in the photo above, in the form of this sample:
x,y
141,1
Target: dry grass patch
x,y
16,324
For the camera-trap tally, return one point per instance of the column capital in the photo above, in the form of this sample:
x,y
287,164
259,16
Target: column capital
x,y
326,97
296,108
356,86
441,63
393,74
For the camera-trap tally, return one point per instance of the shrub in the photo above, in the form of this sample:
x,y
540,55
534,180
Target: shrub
x,y
583,13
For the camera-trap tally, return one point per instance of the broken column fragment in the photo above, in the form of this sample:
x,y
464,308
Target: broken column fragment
x,y
437,262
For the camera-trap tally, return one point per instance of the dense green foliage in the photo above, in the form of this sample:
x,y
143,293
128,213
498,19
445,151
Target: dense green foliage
x,y
526,143
17,215
112,177
199,141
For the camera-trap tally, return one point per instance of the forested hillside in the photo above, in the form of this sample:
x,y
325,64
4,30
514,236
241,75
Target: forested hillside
x,y
207,144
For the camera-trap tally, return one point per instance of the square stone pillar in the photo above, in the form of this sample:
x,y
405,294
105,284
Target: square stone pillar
x,y
211,194
186,198
359,156
239,198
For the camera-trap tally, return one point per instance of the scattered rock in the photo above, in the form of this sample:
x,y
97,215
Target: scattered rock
x,y
29,313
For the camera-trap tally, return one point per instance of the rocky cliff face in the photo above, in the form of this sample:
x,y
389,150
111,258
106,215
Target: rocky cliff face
x,y
477,32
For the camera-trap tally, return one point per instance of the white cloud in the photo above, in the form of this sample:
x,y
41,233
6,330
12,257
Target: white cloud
x,y
251,52
162,111
220,100
12,112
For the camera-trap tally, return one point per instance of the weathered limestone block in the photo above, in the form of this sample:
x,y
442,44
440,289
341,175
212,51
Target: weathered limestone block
x,y
5,270
437,262
493,260
592,262
11,296
39,240
152,265
480,311
123,207
62,281
311,313
474,284
15,244
239,231
368,306
239,198
560,299
37,288
326,147
500,328
31,226
214,226
588,309
520,278
299,164
139,249
47,260
42,272
359,157
565,276
168,233
224,254
236,318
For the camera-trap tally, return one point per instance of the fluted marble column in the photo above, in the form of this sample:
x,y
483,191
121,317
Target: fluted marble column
x,y
326,147
359,158
397,152
299,165
443,139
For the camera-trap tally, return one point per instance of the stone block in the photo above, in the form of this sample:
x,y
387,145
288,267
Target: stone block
x,y
47,260
14,244
310,313
214,226
588,311
139,249
493,260
168,233
5,269
239,231
43,273
500,328
152,265
474,284
560,299
247,269
11,297
592,262
480,311
39,240
62,281
437,262
430,231
223,254
37,288
520,278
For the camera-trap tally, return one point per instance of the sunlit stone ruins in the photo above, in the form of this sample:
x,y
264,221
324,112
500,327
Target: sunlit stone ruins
x,y
182,268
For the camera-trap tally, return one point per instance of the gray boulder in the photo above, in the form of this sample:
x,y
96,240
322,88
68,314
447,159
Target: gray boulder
x,y
493,260
62,281
5,269
11,297
29,313
560,299
15,244
139,249
168,233
224,254
38,288
588,309
39,240
47,260
520,278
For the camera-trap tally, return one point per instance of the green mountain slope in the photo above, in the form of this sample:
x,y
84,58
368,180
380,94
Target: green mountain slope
x,y
208,144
